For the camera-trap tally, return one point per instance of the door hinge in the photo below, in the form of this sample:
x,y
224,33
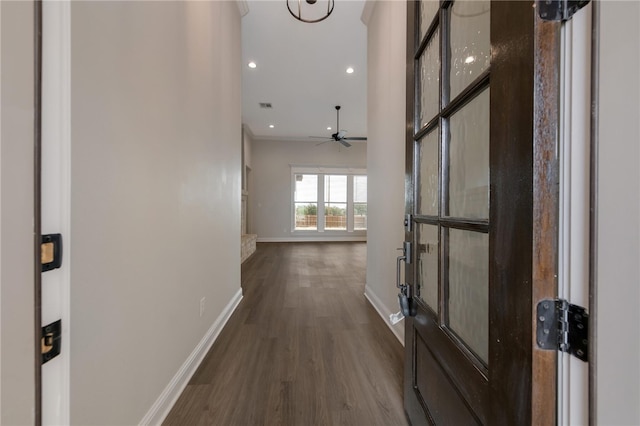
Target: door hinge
x,y
51,340
564,327
559,10
51,252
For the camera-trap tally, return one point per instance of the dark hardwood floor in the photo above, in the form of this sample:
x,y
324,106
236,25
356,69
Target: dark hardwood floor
x,y
304,347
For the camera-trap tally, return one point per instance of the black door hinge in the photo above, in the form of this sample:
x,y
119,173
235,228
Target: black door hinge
x,y
564,327
559,10
51,252
51,338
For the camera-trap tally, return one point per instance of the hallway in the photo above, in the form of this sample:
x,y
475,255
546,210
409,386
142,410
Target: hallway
x,y
304,347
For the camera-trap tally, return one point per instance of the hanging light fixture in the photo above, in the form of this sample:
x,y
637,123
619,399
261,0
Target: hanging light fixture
x,y
314,17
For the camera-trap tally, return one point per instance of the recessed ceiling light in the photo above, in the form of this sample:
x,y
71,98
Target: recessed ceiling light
x,y
329,128
350,70
252,64
271,126
469,59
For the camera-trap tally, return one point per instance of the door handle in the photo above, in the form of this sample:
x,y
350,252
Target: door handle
x,y
406,257
399,260
407,305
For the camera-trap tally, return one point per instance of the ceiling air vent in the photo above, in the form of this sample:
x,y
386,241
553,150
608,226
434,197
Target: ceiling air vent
x,y
265,105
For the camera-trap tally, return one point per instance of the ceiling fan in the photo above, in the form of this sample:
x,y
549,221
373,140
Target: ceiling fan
x,y
339,136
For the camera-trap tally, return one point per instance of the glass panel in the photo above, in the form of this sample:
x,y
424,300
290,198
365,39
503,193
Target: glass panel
x,y
470,45
306,188
360,189
428,265
430,80
469,289
469,160
306,216
306,202
359,202
360,216
335,197
335,216
428,10
335,188
428,186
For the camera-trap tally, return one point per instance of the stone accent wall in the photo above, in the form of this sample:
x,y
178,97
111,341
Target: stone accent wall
x,y
248,246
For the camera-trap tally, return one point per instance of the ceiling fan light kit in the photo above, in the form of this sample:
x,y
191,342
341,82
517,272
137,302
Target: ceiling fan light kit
x,y
307,7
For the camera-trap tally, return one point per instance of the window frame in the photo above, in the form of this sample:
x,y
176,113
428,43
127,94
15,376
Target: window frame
x,y
321,172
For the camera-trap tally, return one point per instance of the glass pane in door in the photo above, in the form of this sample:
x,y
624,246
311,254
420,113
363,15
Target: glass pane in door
x,y
469,160
428,265
428,185
428,10
429,80
469,289
469,43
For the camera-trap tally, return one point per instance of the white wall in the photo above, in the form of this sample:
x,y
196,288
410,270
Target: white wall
x,y
16,215
155,210
618,212
386,34
270,182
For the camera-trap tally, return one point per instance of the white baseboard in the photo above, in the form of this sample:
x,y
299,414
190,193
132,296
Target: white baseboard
x,y
311,239
384,312
160,409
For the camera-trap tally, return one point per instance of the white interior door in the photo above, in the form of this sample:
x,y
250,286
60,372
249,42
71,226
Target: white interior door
x,y
55,198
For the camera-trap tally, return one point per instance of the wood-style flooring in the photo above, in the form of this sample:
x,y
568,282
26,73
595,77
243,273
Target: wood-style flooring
x,y
304,347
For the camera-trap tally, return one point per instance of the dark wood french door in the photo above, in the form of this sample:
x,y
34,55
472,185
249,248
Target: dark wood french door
x,y
470,354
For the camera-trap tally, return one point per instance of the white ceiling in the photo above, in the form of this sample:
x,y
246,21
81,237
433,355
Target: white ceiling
x,y
301,71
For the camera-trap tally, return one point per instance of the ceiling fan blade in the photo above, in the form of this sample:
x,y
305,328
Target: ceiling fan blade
x,y
345,143
356,138
323,142
318,137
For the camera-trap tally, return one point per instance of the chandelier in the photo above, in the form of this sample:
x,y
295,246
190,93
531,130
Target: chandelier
x,y
311,15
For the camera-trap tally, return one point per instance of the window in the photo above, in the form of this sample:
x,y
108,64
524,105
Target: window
x,y
335,202
329,200
359,202
306,202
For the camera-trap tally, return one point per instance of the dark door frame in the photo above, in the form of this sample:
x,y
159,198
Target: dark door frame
x,y
37,209
546,198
